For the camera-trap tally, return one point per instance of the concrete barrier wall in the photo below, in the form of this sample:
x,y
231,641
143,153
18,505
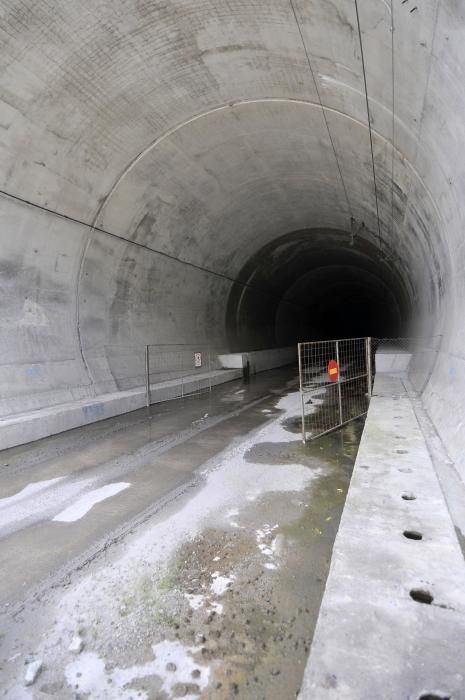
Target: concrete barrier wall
x,y
20,428
260,360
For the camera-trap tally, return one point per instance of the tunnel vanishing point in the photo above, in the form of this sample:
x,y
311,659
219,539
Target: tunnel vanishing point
x,y
242,174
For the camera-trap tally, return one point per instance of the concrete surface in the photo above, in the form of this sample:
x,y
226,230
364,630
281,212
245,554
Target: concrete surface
x,y
260,360
392,360
246,174
20,428
201,571
202,171
372,639
52,474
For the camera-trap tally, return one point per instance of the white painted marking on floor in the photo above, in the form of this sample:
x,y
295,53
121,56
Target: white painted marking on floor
x,y
28,491
82,506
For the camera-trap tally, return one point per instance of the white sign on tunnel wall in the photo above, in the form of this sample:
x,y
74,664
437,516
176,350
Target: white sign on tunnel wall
x,y
197,359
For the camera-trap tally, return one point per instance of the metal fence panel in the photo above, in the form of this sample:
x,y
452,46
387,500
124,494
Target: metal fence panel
x,y
335,383
174,371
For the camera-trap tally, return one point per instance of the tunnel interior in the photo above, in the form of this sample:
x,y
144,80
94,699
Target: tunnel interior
x,y
316,285
245,175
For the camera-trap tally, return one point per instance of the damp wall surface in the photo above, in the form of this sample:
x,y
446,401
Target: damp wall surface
x,y
204,171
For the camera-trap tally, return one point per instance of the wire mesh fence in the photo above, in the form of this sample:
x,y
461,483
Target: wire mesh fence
x,y
175,371
336,376
335,383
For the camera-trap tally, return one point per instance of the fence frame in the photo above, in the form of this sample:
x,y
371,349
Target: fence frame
x,y
189,348
308,390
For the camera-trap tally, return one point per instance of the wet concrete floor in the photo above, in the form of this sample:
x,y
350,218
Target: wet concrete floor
x,y
215,591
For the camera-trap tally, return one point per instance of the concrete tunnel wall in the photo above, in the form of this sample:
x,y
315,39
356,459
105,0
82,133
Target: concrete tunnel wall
x,y
159,161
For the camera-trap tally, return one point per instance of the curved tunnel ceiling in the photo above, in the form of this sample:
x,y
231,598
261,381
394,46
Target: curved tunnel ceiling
x,y
150,151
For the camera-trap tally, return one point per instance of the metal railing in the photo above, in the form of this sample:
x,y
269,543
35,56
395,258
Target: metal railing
x,y
335,383
336,376
175,371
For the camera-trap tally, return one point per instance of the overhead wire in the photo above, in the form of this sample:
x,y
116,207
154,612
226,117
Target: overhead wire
x,y
393,136
92,227
369,123
294,12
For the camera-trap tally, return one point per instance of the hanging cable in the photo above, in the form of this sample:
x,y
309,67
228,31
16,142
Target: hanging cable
x,y
321,104
369,123
161,253
393,141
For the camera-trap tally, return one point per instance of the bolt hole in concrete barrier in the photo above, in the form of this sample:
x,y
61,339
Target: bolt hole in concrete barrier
x,y
421,596
434,696
409,496
413,535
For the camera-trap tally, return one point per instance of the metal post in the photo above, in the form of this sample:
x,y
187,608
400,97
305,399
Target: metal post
x,y
304,437
368,360
339,383
147,376
182,373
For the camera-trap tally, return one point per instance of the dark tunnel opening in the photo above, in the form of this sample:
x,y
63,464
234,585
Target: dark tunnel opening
x,y
317,284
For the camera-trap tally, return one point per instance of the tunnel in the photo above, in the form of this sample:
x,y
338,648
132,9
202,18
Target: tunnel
x,y
243,174
232,177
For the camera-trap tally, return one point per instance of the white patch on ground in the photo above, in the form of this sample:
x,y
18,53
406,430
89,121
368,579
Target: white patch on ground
x,y
232,513
266,410
82,506
266,544
28,491
220,583
216,608
89,674
195,601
